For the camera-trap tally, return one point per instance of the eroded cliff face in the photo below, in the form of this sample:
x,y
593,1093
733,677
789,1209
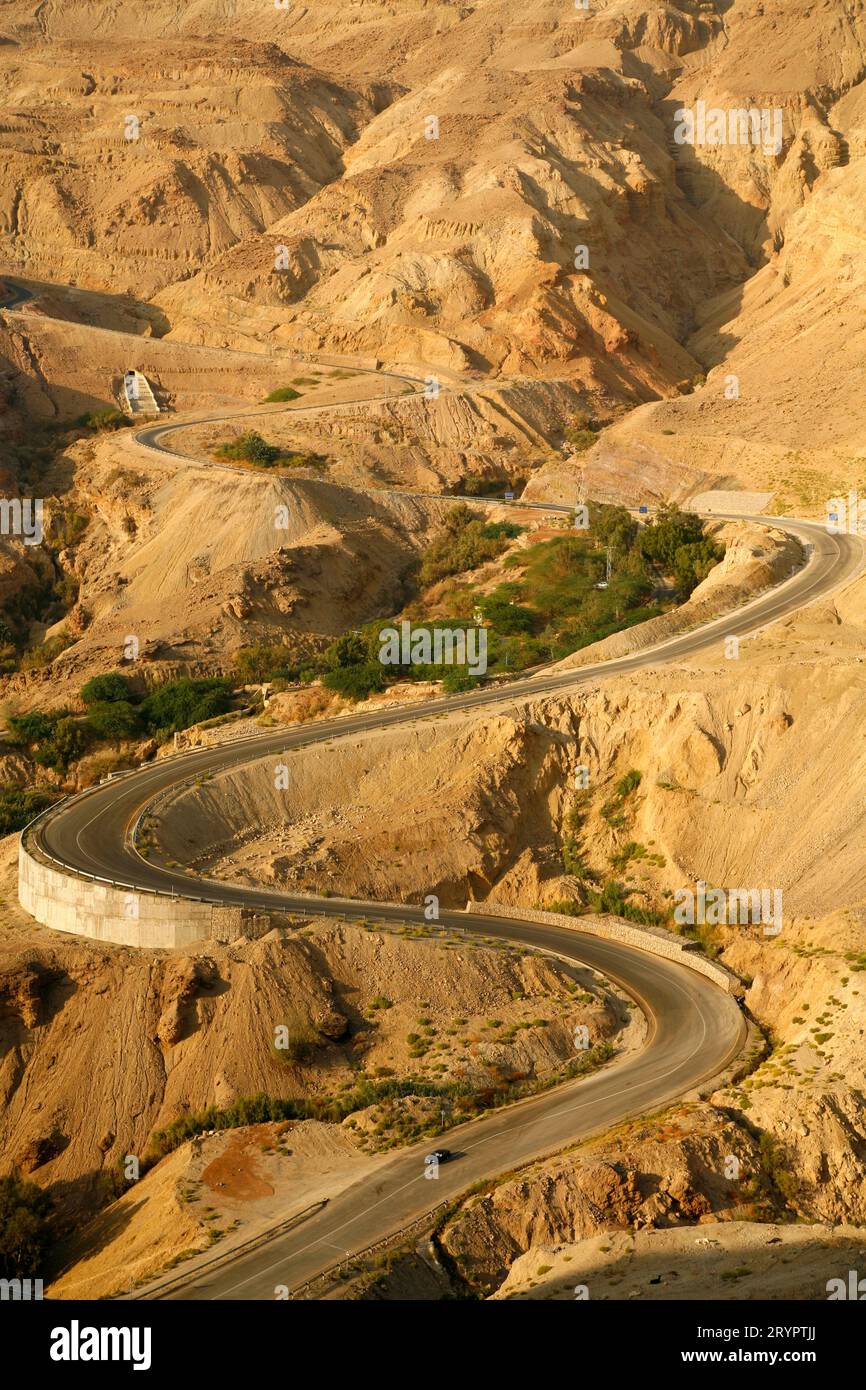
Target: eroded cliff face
x,y
657,1174
163,152
419,184
101,1046
460,249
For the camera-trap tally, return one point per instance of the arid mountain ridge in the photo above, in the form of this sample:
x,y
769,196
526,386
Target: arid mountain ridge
x,y
457,250
303,134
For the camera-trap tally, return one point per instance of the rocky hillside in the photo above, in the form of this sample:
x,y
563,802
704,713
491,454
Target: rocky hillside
x,y
125,165
358,1006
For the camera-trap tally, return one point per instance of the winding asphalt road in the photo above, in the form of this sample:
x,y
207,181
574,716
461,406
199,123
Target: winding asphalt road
x,y
151,436
695,1030
17,294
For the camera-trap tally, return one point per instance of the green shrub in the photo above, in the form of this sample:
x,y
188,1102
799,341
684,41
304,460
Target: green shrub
x,y
68,740
499,530
458,679
101,420
56,738
614,898
18,806
629,783
693,562
34,727
669,530
180,703
100,689
300,1046
283,393
261,662
461,546
508,618
114,719
356,682
350,649
568,907
249,448
25,1228
582,431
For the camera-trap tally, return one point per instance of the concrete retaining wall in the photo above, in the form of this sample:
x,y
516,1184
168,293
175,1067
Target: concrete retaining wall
x,y
72,904
653,939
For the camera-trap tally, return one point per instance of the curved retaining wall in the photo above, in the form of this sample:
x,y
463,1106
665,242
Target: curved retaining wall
x,y
127,917
654,939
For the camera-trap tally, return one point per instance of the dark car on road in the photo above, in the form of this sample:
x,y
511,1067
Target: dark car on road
x,y
438,1156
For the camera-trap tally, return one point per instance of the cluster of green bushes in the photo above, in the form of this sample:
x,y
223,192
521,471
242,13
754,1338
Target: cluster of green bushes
x,y
263,1109
676,544
615,898
263,661
18,806
612,897
299,1046
56,738
97,421
351,664
356,682
466,542
25,1228
250,447
166,710
563,599
582,431
556,606
283,393
476,485
353,668
560,600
